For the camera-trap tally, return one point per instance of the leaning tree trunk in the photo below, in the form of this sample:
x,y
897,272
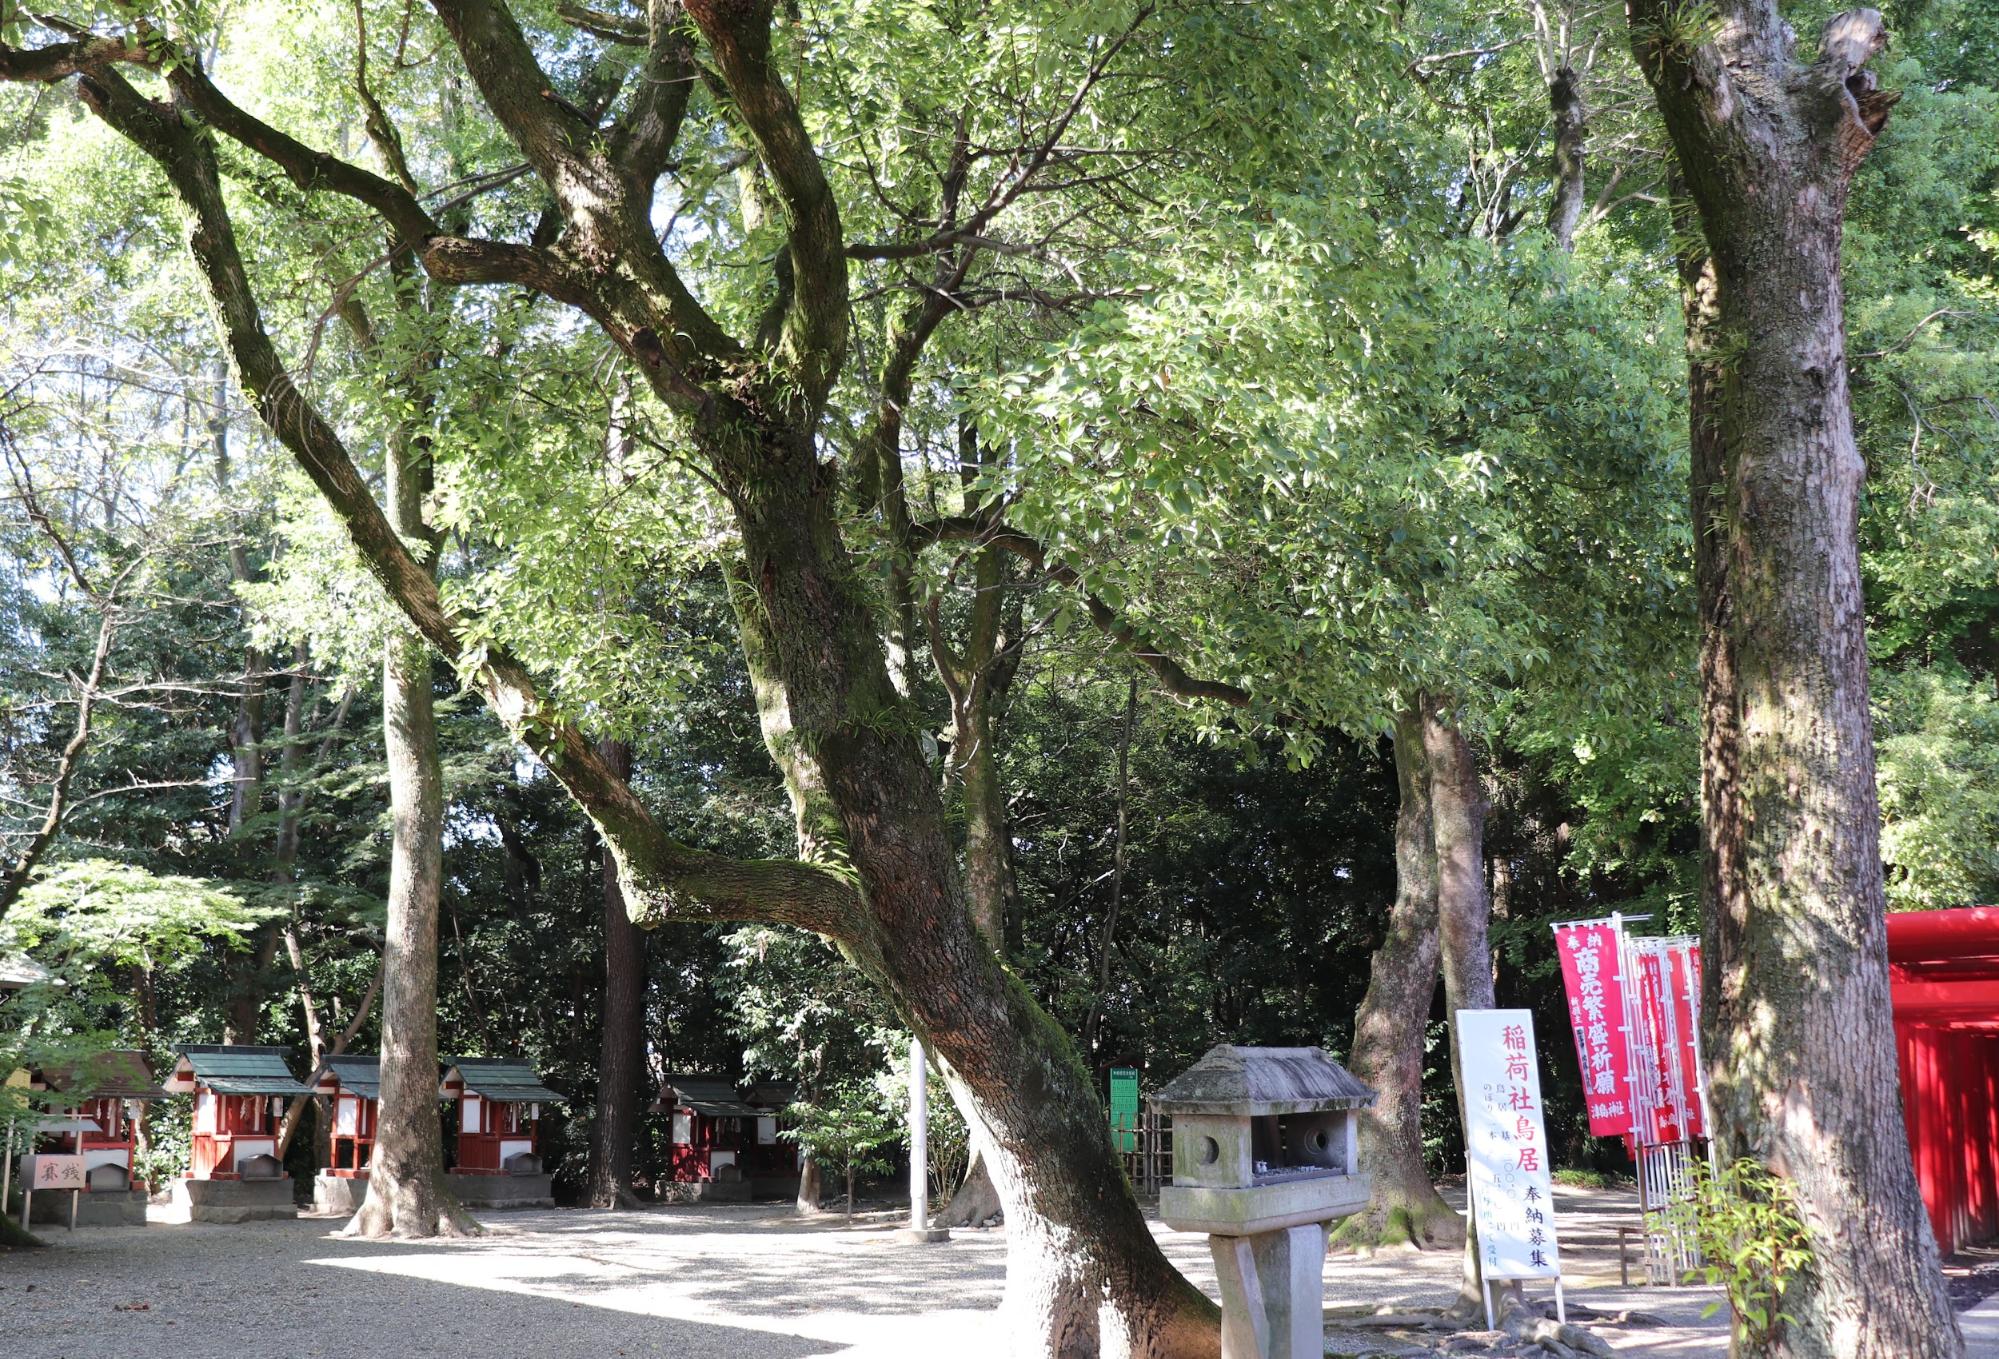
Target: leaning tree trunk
x,y
876,868
1457,812
1802,1066
1404,1208
1083,1271
621,1051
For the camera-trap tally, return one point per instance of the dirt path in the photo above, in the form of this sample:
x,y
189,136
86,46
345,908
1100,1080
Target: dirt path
x,y
745,1283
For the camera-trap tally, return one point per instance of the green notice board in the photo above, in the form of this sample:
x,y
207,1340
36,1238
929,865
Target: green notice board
x,y
1124,1107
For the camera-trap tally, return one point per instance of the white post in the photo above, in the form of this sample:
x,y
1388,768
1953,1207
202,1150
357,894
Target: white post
x,y
919,1148
919,1138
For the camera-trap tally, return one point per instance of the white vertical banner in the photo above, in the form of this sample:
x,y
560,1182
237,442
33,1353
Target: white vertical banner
x,y
1506,1147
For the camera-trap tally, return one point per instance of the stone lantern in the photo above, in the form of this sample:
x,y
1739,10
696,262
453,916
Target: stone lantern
x,y
1265,1154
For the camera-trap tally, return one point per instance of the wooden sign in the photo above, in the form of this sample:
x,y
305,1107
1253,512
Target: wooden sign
x,y
1506,1149
56,1172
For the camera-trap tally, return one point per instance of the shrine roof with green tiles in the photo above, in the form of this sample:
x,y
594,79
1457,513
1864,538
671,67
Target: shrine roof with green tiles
x,y
358,1075
503,1079
235,1069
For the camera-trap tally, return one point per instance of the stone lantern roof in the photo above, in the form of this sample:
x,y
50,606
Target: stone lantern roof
x,y
1254,1082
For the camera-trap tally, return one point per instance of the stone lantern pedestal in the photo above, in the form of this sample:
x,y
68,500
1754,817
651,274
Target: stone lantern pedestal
x,y
1265,1154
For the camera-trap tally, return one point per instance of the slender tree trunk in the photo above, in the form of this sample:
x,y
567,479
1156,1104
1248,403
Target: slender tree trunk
x,y
1565,102
407,1196
1802,1067
978,687
248,975
1106,953
621,1052
811,1185
406,1193
1391,1025
1457,811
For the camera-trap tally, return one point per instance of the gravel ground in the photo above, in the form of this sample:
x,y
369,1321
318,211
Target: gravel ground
x,y
748,1282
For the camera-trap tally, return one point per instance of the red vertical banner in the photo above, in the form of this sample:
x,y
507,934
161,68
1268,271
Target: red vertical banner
x,y
1686,980
1595,986
1658,1049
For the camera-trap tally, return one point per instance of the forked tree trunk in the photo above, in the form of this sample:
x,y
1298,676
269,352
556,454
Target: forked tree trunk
x,y
1391,1025
1802,1067
1464,913
621,1051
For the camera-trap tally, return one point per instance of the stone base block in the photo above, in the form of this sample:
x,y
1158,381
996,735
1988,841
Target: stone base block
x,y
338,1194
502,1191
235,1200
924,1236
105,1208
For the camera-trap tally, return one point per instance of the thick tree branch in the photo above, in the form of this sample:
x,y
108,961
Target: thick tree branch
x,y
554,139
815,329
663,878
643,141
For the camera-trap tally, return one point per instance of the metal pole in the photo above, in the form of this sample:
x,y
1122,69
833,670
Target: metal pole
x,y
7,1168
919,1138
919,1228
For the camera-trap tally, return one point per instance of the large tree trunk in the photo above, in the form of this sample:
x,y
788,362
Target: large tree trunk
x,y
1083,1268
406,1193
1802,1067
621,1052
1390,1027
406,1190
877,869
1457,811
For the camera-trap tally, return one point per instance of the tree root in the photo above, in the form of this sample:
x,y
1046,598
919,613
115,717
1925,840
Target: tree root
x,y
1399,1226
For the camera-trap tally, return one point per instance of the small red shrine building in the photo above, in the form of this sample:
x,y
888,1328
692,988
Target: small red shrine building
x,y
499,1112
354,1085
720,1135
96,1106
1943,971
239,1098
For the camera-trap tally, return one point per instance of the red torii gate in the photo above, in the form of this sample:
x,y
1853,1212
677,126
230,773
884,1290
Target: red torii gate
x,y
1944,982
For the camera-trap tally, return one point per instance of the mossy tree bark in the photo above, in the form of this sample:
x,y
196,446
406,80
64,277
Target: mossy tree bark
x,y
877,871
1802,1065
1392,1025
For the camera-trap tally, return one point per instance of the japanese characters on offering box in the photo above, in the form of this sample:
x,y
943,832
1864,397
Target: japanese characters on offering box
x,y
1594,980
57,1172
1506,1145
